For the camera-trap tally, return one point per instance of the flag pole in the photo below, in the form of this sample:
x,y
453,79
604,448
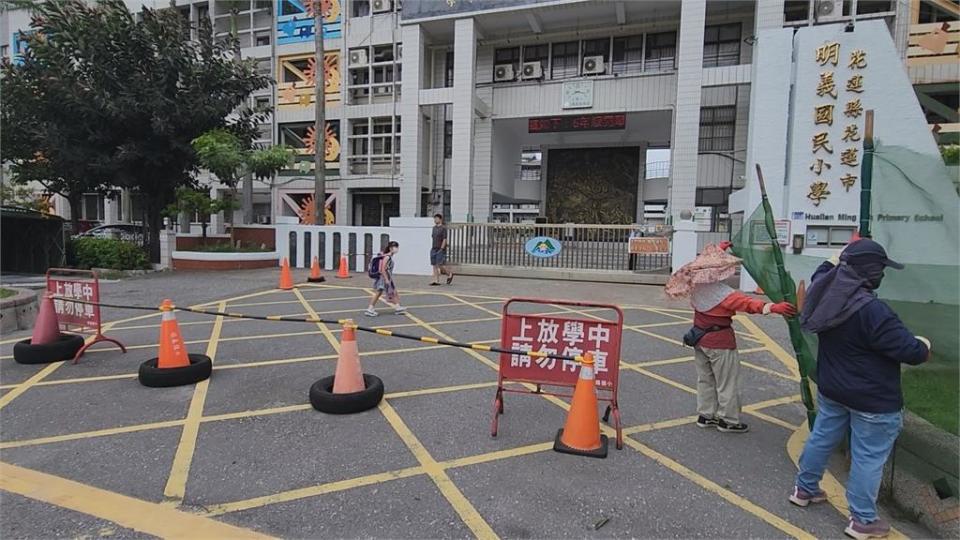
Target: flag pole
x,y
788,293
866,175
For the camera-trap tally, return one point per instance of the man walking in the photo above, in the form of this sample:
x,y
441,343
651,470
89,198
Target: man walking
x,y
862,343
438,251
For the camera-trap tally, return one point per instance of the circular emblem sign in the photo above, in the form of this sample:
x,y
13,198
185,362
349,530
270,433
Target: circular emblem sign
x,y
543,246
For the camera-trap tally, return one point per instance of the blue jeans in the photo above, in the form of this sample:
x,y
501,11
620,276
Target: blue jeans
x,y
871,438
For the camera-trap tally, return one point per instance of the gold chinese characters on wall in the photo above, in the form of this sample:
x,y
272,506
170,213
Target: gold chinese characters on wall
x,y
828,56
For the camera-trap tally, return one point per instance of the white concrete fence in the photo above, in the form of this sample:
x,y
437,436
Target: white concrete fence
x,y
300,243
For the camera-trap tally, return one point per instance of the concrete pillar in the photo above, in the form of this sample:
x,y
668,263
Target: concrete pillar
x,y
464,83
216,220
767,14
126,206
110,207
684,241
686,118
411,151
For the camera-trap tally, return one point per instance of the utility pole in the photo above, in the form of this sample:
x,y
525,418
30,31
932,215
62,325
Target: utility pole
x,y
320,126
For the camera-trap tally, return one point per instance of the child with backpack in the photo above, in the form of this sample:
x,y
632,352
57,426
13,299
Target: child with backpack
x,y
381,272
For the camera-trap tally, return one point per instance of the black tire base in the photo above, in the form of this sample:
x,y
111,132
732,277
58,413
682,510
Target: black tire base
x,y
324,400
65,347
320,279
199,369
600,452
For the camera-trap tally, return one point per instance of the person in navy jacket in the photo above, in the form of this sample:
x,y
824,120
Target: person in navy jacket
x,y
862,343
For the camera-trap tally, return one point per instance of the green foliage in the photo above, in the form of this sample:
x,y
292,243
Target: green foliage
x,y
951,154
6,293
23,197
194,201
113,101
108,253
226,155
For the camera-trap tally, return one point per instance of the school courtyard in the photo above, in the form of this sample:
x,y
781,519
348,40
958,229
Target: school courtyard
x,y
88,452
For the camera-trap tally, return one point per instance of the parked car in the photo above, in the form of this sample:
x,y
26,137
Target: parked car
x,y
121,231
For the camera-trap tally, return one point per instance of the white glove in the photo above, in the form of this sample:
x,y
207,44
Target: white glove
x,y
924,340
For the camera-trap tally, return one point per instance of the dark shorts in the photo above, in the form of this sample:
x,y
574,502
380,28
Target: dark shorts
x,y
438,257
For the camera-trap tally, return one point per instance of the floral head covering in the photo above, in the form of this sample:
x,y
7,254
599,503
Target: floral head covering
x,y
711,266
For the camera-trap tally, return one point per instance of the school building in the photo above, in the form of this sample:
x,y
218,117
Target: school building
x,y
574,111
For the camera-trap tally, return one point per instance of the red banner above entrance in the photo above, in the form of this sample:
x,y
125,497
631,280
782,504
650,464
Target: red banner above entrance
x,y
579,122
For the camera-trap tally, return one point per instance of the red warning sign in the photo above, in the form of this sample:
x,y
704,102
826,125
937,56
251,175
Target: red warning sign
x,y
76,299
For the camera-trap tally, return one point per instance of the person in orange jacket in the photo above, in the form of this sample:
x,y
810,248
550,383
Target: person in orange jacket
x,y
712,336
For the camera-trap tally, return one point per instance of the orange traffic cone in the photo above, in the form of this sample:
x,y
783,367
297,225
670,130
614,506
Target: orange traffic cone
x,y
342,271
348,377
581,433
173,352
315,275
46,329
286,280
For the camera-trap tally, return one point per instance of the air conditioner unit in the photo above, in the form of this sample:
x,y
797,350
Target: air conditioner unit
x,y
381,6
503,72
593,65
383,90
358,57
826,10
531,70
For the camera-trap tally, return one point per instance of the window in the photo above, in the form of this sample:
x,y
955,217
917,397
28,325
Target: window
x,y
537,53
716,128
628,54
866,7
448,139
383,53
657,163
448,70
711,213
566,60
530,162
374,144
931,14
261,102
92,207
361,8
796,10
378,78
261,38
661,52
509,55
597,47
826,236
721,45
288,73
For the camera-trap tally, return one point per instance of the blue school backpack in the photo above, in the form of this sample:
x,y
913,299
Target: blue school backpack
x,y
374,270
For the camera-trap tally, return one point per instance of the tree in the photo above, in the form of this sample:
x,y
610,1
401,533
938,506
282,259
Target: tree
x,y
22,197
230,158
138,90
193,201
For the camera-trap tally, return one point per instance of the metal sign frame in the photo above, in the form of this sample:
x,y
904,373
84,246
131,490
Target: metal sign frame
x,y
531,377
85,286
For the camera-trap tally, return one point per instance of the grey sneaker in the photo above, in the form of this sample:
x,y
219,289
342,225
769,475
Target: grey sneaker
x,y
400,309
862,531
370,312
800,497
732,428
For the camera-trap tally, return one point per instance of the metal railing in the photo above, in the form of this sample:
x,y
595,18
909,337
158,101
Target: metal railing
x,y
582,247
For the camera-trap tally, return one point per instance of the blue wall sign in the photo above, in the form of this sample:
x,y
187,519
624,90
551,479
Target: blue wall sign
x,y
543,246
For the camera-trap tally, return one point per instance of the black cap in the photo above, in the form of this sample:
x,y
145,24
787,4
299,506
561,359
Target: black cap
x,y
866,250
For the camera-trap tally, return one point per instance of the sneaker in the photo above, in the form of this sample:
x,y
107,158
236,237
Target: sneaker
x,y
400,309
800,497
370,312
704,422
862,531
434,284
449,278
732,428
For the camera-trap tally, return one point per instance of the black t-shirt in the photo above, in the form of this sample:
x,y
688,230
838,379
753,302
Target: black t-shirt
x,y
439,235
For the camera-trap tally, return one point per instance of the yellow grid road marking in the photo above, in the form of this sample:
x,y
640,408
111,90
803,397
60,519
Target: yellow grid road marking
x,y
785,358
25,385
136,514
176,486
323,327
461,505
